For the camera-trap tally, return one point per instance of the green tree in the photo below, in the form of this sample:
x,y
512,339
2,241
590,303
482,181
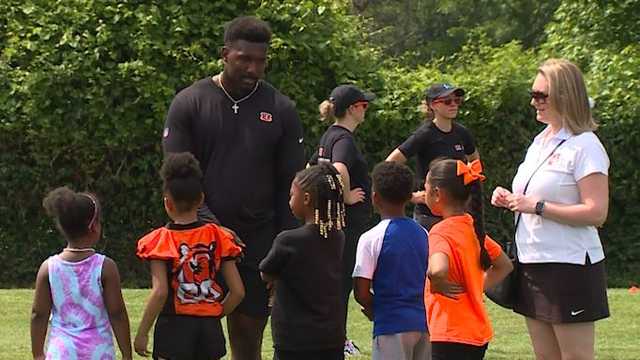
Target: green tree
x,y
421,30
580,28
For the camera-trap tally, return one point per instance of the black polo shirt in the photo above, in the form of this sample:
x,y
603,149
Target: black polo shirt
x,y
428,142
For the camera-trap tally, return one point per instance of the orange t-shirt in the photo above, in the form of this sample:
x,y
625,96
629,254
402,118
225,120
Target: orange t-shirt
x,y
465,319
194,254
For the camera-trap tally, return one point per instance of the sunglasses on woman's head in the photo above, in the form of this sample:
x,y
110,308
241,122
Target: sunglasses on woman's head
x,y
449,101
538,96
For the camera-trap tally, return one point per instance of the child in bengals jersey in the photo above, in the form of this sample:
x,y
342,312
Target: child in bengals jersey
x,y
185,256
463,262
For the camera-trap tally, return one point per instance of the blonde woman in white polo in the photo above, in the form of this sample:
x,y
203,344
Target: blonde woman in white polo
x,y
562,282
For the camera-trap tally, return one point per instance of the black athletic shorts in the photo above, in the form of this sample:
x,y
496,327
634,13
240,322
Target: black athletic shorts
x,y
181,337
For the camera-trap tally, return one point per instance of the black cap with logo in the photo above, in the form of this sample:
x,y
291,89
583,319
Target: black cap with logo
x,y
440,90
344,96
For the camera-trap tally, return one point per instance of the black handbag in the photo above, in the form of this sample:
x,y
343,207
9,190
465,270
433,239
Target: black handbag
x,y
505,293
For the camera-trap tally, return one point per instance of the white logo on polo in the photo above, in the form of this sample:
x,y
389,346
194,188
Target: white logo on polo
x,y
300,140
574,313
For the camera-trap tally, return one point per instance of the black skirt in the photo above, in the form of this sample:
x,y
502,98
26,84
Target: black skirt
x,y
561,293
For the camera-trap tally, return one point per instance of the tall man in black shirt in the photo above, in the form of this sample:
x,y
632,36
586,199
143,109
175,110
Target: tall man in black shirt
x,y
248,139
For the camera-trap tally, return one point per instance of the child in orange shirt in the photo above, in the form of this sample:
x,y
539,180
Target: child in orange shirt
x,y
186,302
463,262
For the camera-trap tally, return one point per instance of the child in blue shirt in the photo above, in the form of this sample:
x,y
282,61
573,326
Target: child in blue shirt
x,y
392,260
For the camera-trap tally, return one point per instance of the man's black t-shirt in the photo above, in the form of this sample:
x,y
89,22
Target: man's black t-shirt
x,y
307,312
248,158
428,142
337,144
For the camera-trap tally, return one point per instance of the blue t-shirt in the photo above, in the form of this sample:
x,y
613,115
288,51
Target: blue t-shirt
x,y
394,255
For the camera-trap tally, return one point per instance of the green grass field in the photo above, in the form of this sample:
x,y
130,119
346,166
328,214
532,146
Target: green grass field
x,y
618,338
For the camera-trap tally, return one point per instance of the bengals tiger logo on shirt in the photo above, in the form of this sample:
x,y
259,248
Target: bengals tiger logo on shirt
x,y
195,256
195,274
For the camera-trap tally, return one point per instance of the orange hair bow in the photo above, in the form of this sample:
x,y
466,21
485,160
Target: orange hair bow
x,y
471,171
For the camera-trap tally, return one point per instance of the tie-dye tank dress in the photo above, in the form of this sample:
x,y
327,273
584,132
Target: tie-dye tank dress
x,y
80,327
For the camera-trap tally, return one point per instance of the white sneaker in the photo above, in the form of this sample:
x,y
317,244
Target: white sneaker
x,y
351,349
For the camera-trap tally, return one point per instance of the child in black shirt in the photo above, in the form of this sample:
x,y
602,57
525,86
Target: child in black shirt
x,y
305,266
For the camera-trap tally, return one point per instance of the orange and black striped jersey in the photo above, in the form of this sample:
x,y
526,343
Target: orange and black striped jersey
x,y
194,253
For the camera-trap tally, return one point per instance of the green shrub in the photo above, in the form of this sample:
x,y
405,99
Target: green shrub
x,y
85,85
85,89
614,80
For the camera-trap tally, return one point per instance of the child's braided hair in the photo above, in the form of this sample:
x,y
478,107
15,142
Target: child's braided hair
x,y
325,185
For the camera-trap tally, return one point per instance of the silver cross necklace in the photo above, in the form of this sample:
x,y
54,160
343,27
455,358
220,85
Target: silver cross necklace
x,y
235,106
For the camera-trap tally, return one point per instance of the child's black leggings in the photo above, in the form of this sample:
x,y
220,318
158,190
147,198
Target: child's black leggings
x,y
456,351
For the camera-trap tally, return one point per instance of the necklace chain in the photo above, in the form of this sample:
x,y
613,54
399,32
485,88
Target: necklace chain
x,y
79,250
235,106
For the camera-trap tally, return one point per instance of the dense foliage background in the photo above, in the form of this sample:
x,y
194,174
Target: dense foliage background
x,y
84,87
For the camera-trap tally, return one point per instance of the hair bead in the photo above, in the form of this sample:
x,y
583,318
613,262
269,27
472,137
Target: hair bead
x,y
325,185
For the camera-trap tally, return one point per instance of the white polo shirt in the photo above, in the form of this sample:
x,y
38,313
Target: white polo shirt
x,y
541,240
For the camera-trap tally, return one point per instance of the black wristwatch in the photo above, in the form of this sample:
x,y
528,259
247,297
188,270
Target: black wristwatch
x,y
539,207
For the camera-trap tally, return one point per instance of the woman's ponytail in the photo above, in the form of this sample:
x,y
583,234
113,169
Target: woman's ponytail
x,y
425,110
327,110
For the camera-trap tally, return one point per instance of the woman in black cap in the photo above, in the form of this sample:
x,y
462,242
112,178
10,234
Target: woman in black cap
x,y
439,136
346,107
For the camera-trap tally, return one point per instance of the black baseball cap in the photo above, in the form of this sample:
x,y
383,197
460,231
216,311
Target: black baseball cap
x,y
344,96
440,90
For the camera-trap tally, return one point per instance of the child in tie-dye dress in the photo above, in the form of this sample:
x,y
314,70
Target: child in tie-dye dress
x,y
79,287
